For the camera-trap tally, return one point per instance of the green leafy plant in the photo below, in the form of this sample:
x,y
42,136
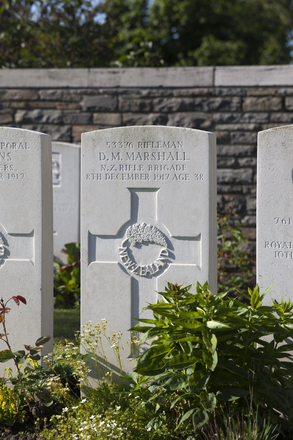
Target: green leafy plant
x,y
210,349
67,278
29,381
234,263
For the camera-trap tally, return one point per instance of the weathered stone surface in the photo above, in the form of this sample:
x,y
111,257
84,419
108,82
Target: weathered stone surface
x,y
229,189
289,103
247,162
251,204
57,132
107,119
135,105
281,117
38,116
217,104
261,91
166,105
224,162
223,137
60,95
190,120
229,91
18,95
249,232
193,92
236,150
243,137
77,131
244,175
243,118
99,103
285,91
144,119
236,127
261,104
249,220
6,117
77,118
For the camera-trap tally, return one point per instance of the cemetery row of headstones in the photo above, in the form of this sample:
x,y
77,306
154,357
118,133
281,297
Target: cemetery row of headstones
x,y
148,217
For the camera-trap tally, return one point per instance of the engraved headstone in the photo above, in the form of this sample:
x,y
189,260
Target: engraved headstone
x,y
275,212
66,200
26,235
148,217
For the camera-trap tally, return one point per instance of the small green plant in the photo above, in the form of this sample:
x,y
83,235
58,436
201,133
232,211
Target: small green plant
x,y
234,264
208,350
30,381
67,278
11,410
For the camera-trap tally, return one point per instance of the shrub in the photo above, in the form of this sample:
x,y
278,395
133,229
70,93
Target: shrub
x,y
209,350
67,278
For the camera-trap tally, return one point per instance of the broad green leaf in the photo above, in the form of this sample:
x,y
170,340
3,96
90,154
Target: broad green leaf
x,y
232,367
188,325
6,355
231,394
177,383
188,415
42,340
209,402
215,325
198,381
199,419
183,361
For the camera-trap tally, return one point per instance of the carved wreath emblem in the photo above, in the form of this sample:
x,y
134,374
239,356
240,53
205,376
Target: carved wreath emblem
x,y
142,233
3,246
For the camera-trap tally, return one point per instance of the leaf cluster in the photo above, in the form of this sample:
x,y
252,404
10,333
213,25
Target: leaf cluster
x,y
208,349
130,33
234,263
67,278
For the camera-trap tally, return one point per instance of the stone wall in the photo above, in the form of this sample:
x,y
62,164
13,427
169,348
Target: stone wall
x,y
234,102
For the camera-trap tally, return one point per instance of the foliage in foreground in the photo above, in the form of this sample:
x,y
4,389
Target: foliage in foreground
x,y
67,278
209,350
234,263
207,375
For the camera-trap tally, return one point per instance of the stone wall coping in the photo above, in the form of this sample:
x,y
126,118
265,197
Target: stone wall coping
x,y
225,76
254,76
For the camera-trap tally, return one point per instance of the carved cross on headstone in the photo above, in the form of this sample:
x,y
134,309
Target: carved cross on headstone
x,y
144,249
14,247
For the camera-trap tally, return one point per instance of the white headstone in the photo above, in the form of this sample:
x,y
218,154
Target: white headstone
x,y
275,212
26,243
148,218
66,190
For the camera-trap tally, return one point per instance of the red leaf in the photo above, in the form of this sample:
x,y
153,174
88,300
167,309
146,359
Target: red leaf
x,y
22,299
16,300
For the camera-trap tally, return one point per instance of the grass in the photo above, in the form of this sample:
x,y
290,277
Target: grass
x,y
66,324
